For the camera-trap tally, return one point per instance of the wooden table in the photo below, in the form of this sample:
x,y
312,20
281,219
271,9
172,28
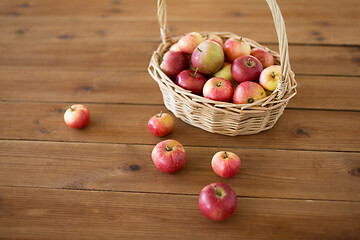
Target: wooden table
x,y
299,180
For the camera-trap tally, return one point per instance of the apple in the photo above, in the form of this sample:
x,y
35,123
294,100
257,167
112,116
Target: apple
x,y
269,77
248,92
224,72
263,56
218,89
189,42
169,156
191,80
234,48
246,68
161,124
217,39
77,116
225,164
208,57
217,201
175,47
173,63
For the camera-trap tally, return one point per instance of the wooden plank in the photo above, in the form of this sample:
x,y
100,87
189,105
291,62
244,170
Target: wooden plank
x,y
203,9
110,215
138,87
65,54
305,129
263,173
39,29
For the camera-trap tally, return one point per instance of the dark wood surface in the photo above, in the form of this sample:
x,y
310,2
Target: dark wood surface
x,y
299,180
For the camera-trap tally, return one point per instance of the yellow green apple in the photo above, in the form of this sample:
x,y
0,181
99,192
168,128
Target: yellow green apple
x,y
208,57
269,77
189,42
248,92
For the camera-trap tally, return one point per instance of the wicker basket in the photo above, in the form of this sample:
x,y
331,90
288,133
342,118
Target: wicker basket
x,y
221,117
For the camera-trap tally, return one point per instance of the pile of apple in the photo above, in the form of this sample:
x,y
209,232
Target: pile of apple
x,y
229,71
217,201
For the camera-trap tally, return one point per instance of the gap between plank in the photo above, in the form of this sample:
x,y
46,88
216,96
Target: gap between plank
x,y
162,104
176,194
193,146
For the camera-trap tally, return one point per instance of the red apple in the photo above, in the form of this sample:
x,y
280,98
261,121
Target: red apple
x,y
217,201
263,56
191,80
225,164
208,57
169,156
269,77
77,116
173,63
234,48
189,42
248,92
246,68
217,39
218,89
161,124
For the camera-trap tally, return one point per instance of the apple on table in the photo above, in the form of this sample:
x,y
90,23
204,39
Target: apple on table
x,y
161,124
217,201
169,156
225,164
77,116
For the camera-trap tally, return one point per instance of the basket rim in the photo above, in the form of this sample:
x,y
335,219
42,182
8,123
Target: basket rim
x,y
266,103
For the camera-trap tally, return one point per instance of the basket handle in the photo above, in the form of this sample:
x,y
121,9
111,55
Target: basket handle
x,y
280,30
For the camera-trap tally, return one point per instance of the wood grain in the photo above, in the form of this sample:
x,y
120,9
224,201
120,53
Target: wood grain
x,y
299,180
119,167
64,54
299,31
296,129
109,215
137,87
304,23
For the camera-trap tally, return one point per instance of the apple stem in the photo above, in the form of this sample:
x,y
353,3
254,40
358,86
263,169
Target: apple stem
x,y
217,191
194,75
273,74
249,61
160,114
160,56
250,100
240,39
167,148
225,155
199,49
219,84
71,109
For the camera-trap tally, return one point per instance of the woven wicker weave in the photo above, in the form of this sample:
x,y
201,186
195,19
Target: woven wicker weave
x,y
221,117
